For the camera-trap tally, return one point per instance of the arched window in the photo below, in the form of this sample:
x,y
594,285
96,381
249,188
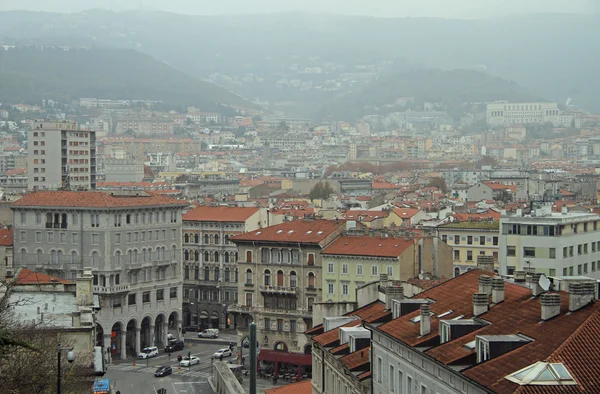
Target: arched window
x,y
135,255
196,255
39,256
197,238
186,255
206,241
129,256
206,256
216,257
149,254
293,279
73,257
226,256
249,278
217,274
173,252
235,257
226,239
52,255
217,239
227,274
311,279
60,256
186,238
248,256
206,273
95,258
144,255
456,271
267,278
235,278
280,279
212,239
161,251
118,256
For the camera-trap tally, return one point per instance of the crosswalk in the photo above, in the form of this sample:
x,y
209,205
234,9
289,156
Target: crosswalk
x,y
150,370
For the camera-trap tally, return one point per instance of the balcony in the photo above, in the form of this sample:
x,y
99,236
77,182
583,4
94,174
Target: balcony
x,y
111,289
311,289
279,289
249,284
239,308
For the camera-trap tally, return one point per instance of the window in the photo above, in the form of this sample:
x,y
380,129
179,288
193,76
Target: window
x,y
359,269
248,299
267,323
585,248
392,386
249,278
457,239
330,268
279,325
146,297
310,303
483,351
131,299
293,280
585,268
481,240
95,239
23,217
571,251
379,369
330,288
445,238
456,255
38,237
528,252
311,259
374,270
470,240
579,249
469,255
293,325
344,268
511,251
50,237
160,295
552,253
75,238
390,271
267,278
593,266
593,246
495,241
565,252
345,289
571,271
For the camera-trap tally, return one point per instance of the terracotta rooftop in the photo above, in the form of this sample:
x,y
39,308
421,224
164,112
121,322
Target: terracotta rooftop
x,y
303,387
6,236
367,246
405,213
93,199
301,231
365,215
27,277
220,214
362,313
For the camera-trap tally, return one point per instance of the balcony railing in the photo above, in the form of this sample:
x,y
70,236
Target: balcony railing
x,y
240,308
278,289
111,289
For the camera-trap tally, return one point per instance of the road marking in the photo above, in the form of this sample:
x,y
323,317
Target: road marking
x,y
154,387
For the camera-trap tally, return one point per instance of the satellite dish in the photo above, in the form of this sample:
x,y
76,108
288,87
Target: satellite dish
x,y
544,282
421,276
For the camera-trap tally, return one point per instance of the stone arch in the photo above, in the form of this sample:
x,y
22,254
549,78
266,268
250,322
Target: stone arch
x,y
132,340
307,348
456,271
160,329
249,276
280,346
197,238
186,238
186,255
99,334
118,340
311,279
147,331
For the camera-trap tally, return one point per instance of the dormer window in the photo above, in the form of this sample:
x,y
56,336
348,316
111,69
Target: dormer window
x,y
543,374
491,346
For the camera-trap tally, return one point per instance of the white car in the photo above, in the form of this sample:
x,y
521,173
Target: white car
x,y
186,362
148,352
222,353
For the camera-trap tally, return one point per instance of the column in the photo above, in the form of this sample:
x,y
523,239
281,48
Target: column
x,y
123,339
180,328
137,341
107,348
165,333
151,335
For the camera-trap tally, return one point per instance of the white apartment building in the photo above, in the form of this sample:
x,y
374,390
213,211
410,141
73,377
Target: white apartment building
x,y
566,243
132,242
504,113
59,155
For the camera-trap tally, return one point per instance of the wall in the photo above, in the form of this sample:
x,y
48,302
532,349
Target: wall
x,y
331,309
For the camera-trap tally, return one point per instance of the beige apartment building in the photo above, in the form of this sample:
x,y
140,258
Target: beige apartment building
x,y
59,155
504,113
280,280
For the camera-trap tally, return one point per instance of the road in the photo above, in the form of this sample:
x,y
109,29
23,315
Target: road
x,y
140,379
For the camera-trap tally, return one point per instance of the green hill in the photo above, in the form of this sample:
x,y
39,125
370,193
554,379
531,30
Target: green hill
x,y
451,88
31,74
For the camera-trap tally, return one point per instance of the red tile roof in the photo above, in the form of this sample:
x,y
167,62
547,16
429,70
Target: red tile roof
x,y
474,217
405,213
6,236
367,246
303,387
363,313
220,214
365,215
27,277
93,199
301,231
358,359
499,186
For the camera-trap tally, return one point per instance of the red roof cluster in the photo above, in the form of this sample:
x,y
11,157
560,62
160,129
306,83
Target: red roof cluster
x,y
94,199
6,236
27,277
368,246
298,231
220,214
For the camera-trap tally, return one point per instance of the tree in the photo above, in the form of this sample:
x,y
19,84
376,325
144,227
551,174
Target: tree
x,y
282,126
438,182
321,191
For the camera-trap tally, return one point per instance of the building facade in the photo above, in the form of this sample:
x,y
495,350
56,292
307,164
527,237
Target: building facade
x,y
522,113
123,170
132,242
280,280
6,253
210,262
59,155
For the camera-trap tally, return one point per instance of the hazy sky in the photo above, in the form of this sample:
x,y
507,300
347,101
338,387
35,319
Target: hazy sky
x,y
432,8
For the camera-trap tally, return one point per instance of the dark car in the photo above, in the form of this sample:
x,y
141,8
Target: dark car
x,y
163,371
174,346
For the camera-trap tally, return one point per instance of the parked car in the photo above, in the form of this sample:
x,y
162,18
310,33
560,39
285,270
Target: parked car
x,y
209,333
174,346
148,352
187,361
163,371
226,352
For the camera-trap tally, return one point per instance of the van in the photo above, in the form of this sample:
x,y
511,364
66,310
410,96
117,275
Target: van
x,y
209,333
174,345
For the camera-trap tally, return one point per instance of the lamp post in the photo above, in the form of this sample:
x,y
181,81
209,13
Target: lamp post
x,y
70,359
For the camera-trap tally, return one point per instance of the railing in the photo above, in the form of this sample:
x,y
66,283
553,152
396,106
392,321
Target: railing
x,y
111,289
279,289
239,308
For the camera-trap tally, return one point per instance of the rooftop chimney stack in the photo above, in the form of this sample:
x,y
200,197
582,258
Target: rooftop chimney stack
x,y
520,276
564,209
485,263
480,303
383,280
550,303
391,294
485,284
84,289
497,290
536,289
425,319
580,295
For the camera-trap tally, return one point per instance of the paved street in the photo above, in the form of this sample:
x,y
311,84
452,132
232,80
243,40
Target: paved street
x,y
140,379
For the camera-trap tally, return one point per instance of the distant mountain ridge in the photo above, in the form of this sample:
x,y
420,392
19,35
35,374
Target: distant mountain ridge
x,y
31,74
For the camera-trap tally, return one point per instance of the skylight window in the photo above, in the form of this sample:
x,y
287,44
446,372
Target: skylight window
x,y
279,231
258,233
319,232
543,374
445,314
291,231
309,232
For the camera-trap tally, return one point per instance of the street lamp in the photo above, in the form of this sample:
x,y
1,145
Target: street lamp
x,y
70,359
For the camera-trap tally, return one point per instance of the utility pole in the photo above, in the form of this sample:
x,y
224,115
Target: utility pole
x,y
252,347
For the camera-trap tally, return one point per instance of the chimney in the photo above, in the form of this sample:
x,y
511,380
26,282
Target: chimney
x,y
536,289
83,288
383,280
497,290
485,263
393,293
485,284
580,294
519,212
480,303
425,319
550,303
564,209
520,276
